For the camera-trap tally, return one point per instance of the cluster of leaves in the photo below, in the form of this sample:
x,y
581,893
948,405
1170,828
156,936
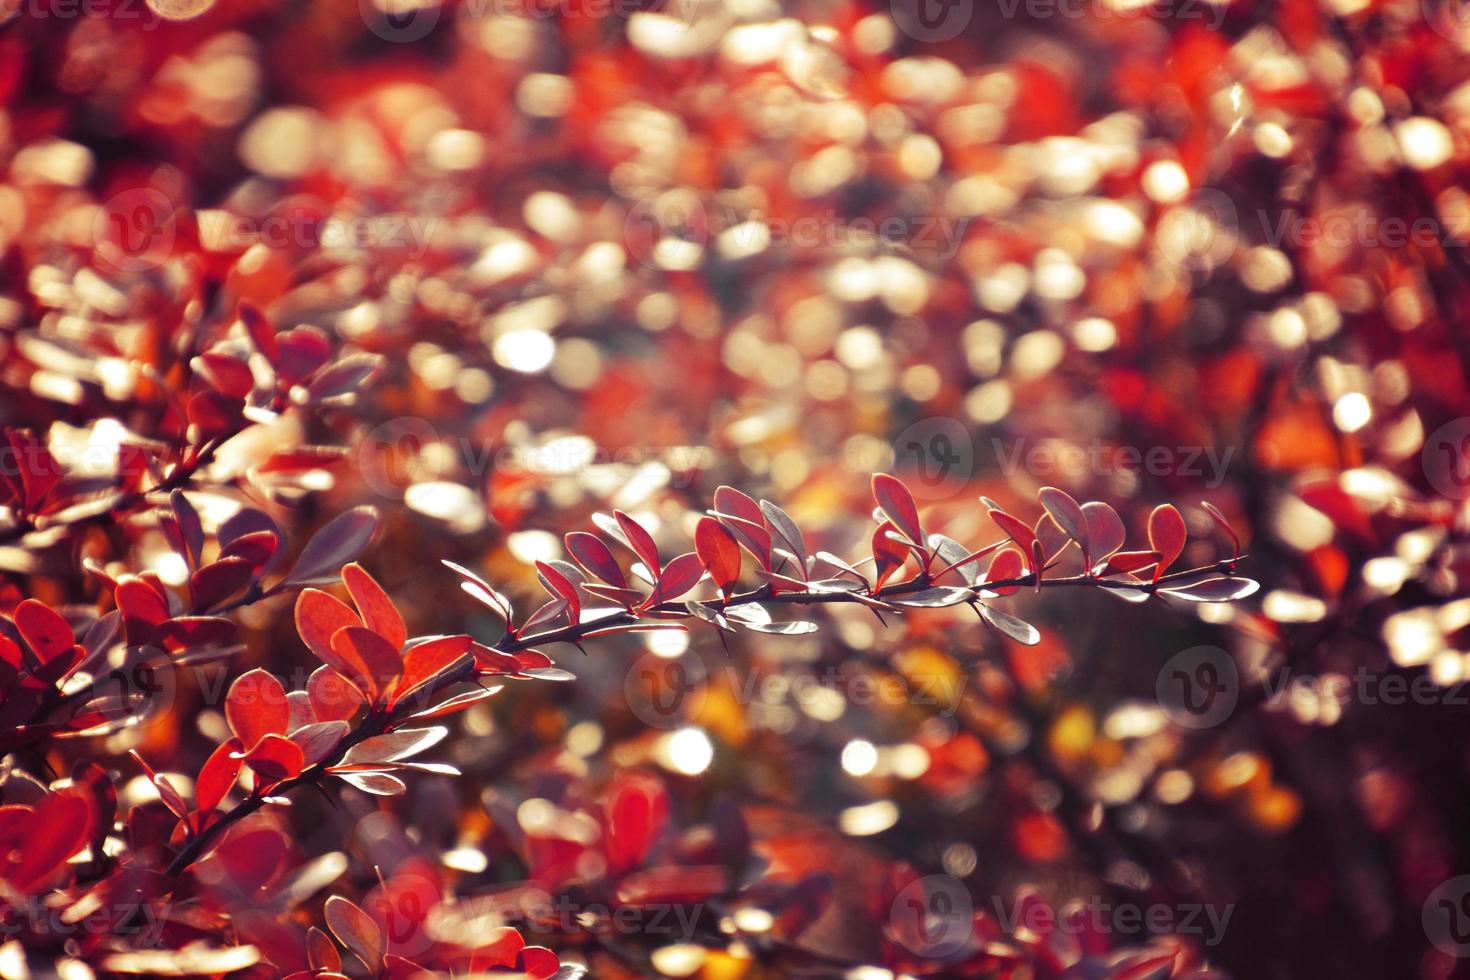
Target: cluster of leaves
x,y
1060,152
369,709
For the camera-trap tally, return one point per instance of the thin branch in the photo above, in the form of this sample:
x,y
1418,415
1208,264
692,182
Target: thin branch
x,y
377,724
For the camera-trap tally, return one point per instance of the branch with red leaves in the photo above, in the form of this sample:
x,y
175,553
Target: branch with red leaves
x,y
355,719
234,384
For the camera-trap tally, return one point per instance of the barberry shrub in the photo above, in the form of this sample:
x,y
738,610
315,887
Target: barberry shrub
x,y
205,871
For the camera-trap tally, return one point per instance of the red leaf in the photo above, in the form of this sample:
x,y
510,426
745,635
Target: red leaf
x,y
563,588
218,581
318,618
368,659
301,351
44,629
500,948
1066,512
1222,524
1004,567
681,574
321,954
228,375
332,696
348,374
39,471
213,413
888,554
256,707
191,529
318,739
898,505
730,501
377,610
1128,562
1053,539
1167,535
1017,531
142,607
640,541
753,537
481,590
783,527
354,929
217,775
537,962
247,520
261,332
1105,533
424,661
718,551
276,757
257,547
636,810
189,632
593,554
249,859
338,542
59,826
